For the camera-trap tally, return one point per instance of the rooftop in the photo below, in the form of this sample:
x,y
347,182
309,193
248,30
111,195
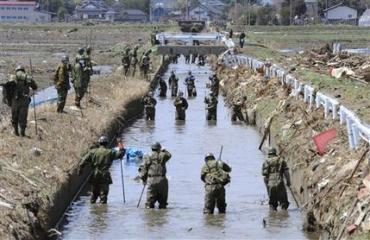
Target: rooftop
x,y
17,3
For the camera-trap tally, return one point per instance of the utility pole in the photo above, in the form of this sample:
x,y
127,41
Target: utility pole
x,y
236,8
249,12
290,12
187,9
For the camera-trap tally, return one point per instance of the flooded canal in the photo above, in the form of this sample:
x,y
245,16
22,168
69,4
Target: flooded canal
x,y
188,142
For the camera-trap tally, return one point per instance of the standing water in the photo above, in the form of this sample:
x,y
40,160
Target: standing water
x,y
188,142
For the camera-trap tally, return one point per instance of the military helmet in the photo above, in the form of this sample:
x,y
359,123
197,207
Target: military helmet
x,y
209,156
156,146
272,152
172,72
20,68
65,58
81,50
189,72
150,93
128,50
181,94
136,47
88,48
103,140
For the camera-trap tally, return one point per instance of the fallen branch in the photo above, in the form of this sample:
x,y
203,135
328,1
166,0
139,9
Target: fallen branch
x,y
21,175
7,205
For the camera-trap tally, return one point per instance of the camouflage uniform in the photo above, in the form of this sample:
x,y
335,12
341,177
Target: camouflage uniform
x,y
190,85
237,110
89,66
181,105
162,88
149,105
215,176
100,159
173,82
145,64
134,60
61,81
20,100
126,61
153,171
273,171
80,78
211,102
215,85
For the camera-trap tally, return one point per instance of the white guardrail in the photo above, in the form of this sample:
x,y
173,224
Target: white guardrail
x,y
356,129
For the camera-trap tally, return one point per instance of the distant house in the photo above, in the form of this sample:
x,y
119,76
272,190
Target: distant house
x,y
364,20
91,10
131,15
97,10
340,14
15,11
207,10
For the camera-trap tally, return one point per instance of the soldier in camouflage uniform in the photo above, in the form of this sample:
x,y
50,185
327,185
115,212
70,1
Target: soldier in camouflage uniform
x,y
215,84
126,61
237,109
215,175
274,169
20,83
190,85
134,60
173,82
211,102
100,159
162,87
89,66
80,76
145,63
149,106
153,171
61,81
181,106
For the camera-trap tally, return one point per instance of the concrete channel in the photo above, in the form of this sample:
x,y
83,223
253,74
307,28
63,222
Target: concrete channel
x,y
188,141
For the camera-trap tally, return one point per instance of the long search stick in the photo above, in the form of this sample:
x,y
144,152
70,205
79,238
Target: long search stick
x,y
34,100
141,196
123,183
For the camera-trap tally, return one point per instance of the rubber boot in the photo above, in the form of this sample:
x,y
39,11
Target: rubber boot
x,y
23,132
16,132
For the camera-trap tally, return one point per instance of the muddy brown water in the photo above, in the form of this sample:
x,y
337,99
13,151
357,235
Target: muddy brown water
x,y
188,142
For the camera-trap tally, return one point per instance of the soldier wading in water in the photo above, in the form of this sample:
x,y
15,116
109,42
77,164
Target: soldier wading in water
x,y
153,172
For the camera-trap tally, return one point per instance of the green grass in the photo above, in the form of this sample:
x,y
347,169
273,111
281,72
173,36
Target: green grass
x,y
307,36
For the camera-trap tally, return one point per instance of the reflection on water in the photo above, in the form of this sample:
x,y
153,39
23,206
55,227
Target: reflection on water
x,y
188,141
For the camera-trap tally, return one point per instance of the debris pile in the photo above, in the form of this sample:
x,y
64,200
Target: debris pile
x,y
355,67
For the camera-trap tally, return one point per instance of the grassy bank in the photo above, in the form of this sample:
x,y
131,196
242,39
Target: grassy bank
x,y
307,36
318,181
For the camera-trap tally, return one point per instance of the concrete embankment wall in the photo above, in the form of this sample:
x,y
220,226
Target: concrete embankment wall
x,y
320,183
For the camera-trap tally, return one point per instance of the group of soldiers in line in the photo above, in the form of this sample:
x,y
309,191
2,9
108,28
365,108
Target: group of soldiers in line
x,y
181,104
215,174
17,90
130,60
152,172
